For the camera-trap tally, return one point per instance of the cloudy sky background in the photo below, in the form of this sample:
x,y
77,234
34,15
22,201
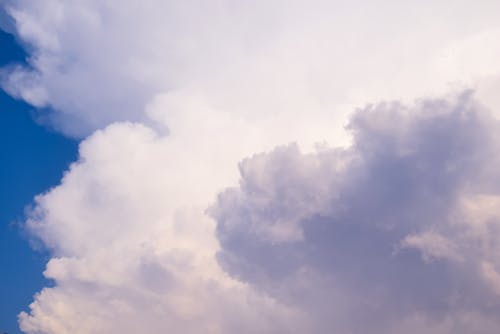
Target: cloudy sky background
x,y
266,166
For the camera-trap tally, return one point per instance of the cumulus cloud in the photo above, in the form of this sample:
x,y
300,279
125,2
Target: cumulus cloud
x,y
132,253
94,63
396,234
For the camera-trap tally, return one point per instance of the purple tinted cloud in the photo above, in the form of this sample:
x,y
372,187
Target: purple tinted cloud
x,y
379,237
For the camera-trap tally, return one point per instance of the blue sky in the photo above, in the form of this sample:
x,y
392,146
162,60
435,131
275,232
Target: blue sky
x,y
33,159
252,167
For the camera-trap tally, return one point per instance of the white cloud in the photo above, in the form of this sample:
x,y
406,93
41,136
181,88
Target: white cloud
x,y
133,250
174,94
433,246
300,63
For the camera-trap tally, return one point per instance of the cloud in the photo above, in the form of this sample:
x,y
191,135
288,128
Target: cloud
x,y
133,251
92,64
394,234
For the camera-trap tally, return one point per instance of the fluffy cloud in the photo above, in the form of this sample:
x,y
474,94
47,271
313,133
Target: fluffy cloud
x,y
133,250
395,233
93,63
398,233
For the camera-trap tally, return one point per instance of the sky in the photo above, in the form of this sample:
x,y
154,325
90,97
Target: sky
x,y
260,167
33,159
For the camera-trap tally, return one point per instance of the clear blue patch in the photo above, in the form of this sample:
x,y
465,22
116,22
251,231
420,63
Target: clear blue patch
x,y
32,159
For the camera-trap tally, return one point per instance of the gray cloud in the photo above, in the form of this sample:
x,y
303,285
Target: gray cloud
x,y
380,237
